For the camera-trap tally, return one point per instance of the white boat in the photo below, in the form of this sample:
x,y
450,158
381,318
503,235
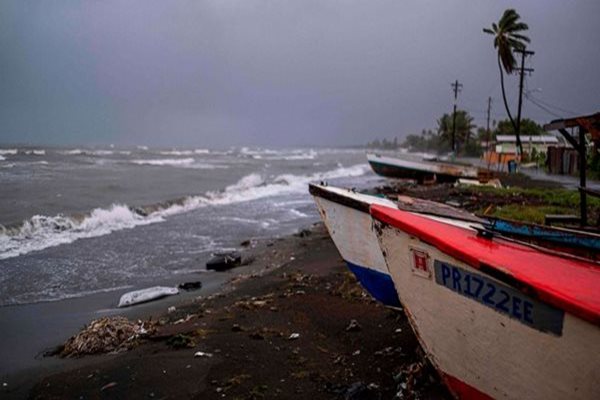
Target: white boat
x,y
345,214
498,319
393,167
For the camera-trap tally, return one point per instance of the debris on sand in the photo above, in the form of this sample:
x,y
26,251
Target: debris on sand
x,y
181,341
145,295
105,335
353,326
225,260
188,286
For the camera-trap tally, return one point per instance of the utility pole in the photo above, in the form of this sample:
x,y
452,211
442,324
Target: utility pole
x,y
487,145
456,86
524,53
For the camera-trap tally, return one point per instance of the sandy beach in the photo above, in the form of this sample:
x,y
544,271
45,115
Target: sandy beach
x,y
293,324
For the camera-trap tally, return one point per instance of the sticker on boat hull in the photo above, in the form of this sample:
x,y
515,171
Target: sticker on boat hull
x,y
501,298
420,263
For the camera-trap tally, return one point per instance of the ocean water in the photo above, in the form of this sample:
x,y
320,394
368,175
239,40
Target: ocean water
x,y
80,221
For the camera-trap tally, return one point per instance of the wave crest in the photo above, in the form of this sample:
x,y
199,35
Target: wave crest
x,y
40,232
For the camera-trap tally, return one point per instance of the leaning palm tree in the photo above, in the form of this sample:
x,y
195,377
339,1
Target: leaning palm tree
x,y
507,38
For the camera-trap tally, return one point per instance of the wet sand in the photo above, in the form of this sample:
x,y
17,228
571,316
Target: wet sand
x,y
347,345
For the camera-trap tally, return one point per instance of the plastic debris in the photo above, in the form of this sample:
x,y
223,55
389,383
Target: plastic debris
x,y
294,336
171,309
108,386
144,295
353,326
105,335
202,354
356,353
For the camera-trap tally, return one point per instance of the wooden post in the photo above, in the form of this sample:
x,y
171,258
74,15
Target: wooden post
x,y
582,183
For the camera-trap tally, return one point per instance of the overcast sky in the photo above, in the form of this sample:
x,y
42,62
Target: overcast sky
x,y
275,73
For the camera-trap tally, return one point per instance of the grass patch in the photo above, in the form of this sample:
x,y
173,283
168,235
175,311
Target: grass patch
x,y
527,204
535,214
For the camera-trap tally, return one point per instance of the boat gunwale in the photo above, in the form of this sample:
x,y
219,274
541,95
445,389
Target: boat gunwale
x,y
589,312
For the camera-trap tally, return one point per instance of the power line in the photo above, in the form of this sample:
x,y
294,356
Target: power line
x,y
543,107
530,97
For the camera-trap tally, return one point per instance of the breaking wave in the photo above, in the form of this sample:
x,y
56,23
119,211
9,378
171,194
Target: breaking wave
x,y
10,152
33,152
2,158
184,152
40,232
272,155
164,161
78,152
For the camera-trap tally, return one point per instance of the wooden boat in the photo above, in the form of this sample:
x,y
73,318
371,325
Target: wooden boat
x,y
345,214
578,242
421,171
498,319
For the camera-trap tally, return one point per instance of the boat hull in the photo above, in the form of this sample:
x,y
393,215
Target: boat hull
x,y
480,351
349,225
421,171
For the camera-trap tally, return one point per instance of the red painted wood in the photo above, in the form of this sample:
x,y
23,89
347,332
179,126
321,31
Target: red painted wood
x,y
569,284
463,391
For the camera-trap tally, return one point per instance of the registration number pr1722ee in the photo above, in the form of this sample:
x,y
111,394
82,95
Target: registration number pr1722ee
x,y
500,297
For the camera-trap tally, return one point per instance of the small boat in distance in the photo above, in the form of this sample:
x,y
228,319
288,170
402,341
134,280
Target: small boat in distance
x,y
498,319
421,171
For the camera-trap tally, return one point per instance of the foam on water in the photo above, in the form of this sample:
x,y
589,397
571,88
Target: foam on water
x,y
10,152
2,158
163,162
40,232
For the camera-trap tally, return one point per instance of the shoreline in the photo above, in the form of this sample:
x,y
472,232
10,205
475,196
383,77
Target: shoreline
x,y
30,330
297,284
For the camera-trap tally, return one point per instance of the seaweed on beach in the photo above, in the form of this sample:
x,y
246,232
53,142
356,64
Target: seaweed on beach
x,y
106,335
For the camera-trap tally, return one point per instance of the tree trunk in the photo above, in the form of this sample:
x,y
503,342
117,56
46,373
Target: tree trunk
x,y
512,121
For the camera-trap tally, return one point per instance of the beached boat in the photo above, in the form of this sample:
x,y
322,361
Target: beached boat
x,y
392,167
345,214
498,319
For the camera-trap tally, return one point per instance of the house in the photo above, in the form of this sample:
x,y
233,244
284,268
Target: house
x,y
504,149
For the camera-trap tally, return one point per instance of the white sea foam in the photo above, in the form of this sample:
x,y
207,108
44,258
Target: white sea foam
x,y
73,152
164,161
10,152
287,155
297,213
177,153
144,148
2,158
40,232
34,152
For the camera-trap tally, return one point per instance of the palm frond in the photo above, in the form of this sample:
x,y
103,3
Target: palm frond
x,y
519,37
516,27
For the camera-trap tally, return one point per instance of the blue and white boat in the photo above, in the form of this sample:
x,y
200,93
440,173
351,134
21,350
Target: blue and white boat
x,y
345,213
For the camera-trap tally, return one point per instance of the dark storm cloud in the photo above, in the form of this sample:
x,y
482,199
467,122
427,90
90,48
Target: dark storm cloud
x,y
219,73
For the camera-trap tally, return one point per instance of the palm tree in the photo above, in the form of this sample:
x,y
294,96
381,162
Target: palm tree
x,y
464,128
507,38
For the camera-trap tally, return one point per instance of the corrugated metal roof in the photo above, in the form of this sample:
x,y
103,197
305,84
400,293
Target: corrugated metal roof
x,y
527,139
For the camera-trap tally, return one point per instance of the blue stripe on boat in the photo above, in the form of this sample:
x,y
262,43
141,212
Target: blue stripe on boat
x,y
378,284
